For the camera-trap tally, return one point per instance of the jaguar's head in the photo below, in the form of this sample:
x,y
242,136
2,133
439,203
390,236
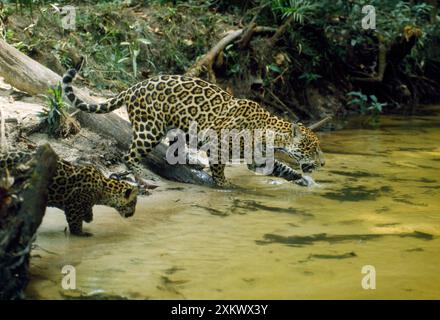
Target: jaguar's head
x,y
121,196
303,147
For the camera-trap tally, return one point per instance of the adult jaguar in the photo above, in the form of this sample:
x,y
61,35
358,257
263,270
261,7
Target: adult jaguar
x,y
77,188
171,101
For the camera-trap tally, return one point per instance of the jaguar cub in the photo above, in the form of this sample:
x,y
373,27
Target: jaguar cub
x,y
165,102
77,188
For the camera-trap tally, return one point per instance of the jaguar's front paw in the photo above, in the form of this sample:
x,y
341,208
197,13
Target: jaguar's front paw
x,y
305,181
224,184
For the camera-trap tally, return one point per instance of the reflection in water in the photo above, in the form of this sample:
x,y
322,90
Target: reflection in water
x,y
377,203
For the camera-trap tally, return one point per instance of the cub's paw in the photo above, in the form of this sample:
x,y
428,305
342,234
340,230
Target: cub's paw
x,y
78,233
83,234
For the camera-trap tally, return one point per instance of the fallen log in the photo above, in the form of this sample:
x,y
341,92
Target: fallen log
x,y
27,75
20,217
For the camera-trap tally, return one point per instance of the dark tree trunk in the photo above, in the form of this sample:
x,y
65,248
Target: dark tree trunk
x,y
20,218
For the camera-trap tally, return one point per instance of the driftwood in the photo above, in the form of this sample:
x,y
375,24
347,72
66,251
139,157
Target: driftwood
x,y
20,218
207,61
27,75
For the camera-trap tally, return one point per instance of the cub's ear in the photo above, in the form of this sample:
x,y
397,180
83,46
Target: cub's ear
x,y
128,193
131,193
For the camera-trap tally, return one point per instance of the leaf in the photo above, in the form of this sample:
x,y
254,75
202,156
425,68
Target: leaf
x,y
355,102
229,46
144,41
122,60
274,68
357,94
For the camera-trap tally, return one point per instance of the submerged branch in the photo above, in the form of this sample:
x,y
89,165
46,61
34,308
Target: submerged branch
x,y
320,123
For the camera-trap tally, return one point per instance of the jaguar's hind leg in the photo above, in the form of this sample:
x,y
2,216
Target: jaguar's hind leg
x,y
143,143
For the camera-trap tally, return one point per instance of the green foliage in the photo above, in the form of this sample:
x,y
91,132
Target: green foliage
x,y
300,10
345,28
135,50
235,61
358,99
375,105
29,5
366,104
309,77
52,116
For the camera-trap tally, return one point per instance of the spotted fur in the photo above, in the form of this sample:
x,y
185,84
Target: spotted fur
x,y
171,101
77,188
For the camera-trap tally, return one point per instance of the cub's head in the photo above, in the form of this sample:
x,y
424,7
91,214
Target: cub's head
x,y
121,196
302,146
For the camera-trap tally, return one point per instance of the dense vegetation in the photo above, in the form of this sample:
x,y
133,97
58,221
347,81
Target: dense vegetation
x,y
319,59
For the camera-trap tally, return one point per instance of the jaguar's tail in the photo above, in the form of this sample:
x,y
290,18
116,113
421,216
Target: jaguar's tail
x,y
105,107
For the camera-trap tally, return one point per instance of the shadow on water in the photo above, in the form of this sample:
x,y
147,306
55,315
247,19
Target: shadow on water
x,y
357,193
356,174
212,211
246,206
251,205
299,241
333,256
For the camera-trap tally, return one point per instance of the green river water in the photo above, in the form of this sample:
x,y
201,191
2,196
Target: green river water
x,y
377,203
